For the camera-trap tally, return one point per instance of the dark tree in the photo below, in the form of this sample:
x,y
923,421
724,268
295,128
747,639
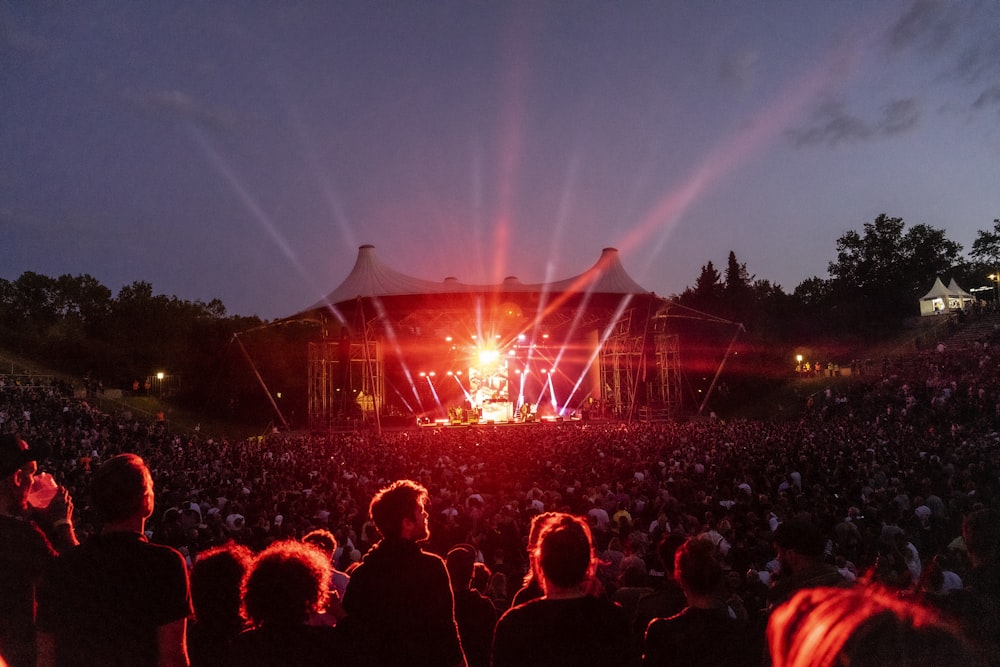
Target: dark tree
x,y
881,272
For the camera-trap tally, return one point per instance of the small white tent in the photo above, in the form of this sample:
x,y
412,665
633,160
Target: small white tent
x,y
941,299
965,296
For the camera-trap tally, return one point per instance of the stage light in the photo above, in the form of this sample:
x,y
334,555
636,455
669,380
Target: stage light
x,y
488,356
447,339
423,374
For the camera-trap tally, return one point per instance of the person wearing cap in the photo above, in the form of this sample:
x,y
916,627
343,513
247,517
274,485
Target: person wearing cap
x,y
25,548
117,599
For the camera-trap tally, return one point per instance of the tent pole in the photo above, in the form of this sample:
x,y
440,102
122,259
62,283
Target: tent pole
x,y
256,373
718,371
368,363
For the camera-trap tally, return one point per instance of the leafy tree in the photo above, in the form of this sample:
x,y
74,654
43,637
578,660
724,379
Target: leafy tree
x,y
813,292
986,250
986,247
880,273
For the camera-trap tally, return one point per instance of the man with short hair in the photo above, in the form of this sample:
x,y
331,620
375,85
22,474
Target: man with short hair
x,y
474,612
116,599
25,549
706,631
799,544
325,541
399,600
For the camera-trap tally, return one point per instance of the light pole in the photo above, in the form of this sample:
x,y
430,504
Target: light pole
x,y
995,277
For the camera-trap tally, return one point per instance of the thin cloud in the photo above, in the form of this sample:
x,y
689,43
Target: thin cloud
x,y
179,105
928,24
833,124
898,116
739,68
988,98
978,61
961,34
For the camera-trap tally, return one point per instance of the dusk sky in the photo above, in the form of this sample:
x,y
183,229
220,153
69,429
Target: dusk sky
x,y
244,150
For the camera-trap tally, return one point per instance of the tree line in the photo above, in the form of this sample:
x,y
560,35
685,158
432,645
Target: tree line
x,y
874,282
75,324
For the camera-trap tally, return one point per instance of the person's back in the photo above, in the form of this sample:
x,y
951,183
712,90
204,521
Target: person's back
x,y
287,583
216,578
399,604
116,599
474,612
799,545
567,626
289,646
116,591
579,631
667,598
698,636
705,632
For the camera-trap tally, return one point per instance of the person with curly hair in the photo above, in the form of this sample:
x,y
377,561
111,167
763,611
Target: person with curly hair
x,y
286,583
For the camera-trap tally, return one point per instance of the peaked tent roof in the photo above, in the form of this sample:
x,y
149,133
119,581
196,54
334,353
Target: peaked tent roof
x,y
955,289
938,291
370,277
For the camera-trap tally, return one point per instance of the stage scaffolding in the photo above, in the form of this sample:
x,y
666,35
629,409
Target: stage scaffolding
x,y
346,383
625,361
638,368
664,388
620,359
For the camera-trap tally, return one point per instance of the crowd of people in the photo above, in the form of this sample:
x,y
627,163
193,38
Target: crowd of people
x,y
869,488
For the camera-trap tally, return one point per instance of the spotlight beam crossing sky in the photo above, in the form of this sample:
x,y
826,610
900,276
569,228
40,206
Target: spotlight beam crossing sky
x,y
243,151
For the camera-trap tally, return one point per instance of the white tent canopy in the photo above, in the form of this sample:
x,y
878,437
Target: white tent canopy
x,y
370,277
941,299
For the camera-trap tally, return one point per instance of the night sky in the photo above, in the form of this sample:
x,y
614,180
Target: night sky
x,y
244,150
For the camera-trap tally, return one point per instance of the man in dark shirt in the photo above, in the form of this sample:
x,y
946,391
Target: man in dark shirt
x,y
25,549
116,599
705,632
799,544
399,604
